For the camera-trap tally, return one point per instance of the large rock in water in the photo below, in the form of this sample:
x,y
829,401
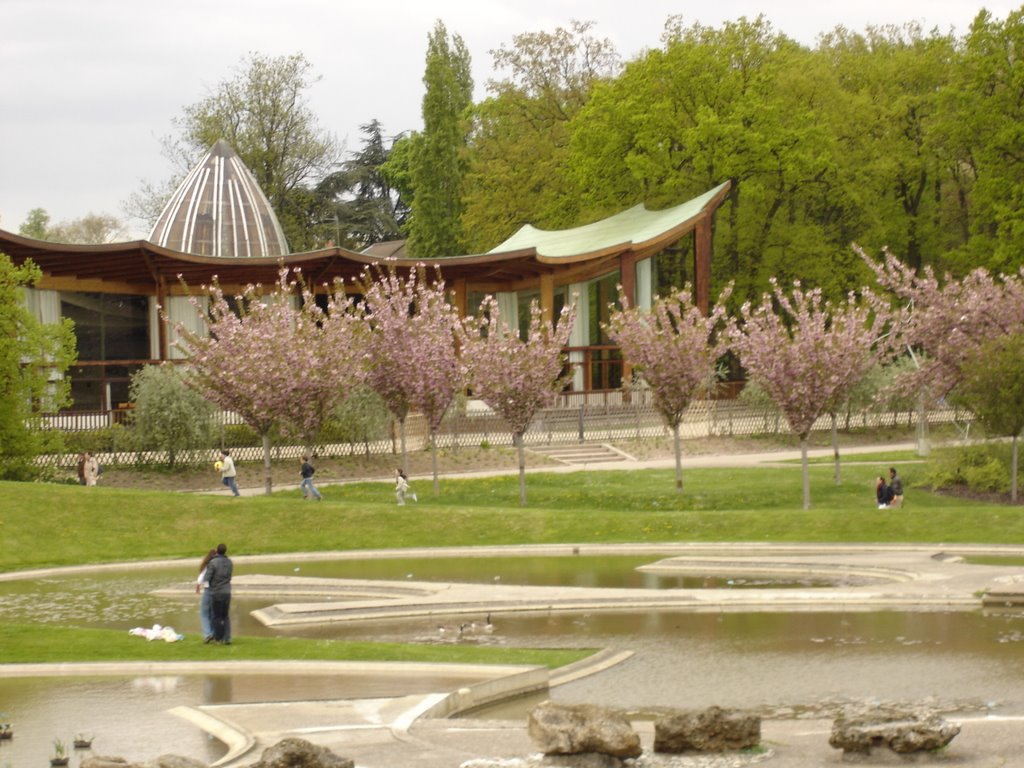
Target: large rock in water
x,y
711,730
299,753
560,729
902,732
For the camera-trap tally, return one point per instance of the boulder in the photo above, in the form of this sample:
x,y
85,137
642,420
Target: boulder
x,y
560,729
904,732
710,730
299,753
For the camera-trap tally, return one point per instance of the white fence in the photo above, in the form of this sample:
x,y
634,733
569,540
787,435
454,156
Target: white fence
x,y
603,417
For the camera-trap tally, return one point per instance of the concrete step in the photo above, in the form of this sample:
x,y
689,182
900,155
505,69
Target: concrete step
x,y
587,453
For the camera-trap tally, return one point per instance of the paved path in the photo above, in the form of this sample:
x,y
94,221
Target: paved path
x,y
764,458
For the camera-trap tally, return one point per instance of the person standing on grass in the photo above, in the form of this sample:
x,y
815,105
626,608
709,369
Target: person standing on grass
x,y
91,469
896,486
227,471
308,489
218,574
203,589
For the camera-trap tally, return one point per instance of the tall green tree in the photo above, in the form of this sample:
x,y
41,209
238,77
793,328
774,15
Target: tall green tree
x,y
438,165
36,224
985,134
518,148
365,207
740,103
891,81
33,360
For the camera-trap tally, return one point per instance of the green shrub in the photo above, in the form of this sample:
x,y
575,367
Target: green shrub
x,y
993,475
99,440
238,435
978,466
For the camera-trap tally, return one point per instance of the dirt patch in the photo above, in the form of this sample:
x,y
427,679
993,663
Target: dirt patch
x,y
972,494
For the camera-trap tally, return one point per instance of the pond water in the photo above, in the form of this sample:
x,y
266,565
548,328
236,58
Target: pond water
x,y
777,663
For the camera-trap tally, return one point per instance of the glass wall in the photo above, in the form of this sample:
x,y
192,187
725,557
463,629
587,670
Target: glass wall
x,y
112,331
606,361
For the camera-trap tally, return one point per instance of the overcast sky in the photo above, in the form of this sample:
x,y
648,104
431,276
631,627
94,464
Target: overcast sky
x,y
88,87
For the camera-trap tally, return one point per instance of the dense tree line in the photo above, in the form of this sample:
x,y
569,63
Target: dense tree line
x,y
892,137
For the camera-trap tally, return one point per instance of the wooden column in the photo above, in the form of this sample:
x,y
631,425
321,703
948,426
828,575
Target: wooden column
x,y
460,296
702,264
627,276
161,324
547,297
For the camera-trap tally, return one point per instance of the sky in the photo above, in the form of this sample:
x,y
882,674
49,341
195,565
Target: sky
x,y
89,87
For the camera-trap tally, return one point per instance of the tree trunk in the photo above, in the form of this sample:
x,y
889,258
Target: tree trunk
x,y
521,450
677,445
401,440
433,462
268,480
923,443
806,472
1013,471
835,451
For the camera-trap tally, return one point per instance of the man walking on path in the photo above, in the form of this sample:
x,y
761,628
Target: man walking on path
x,y
218,574
308,489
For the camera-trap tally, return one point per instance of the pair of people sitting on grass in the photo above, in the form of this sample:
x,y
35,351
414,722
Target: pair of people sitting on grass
x,y
889,494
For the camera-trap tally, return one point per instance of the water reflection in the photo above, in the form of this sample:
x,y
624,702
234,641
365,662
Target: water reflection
x,y
128,717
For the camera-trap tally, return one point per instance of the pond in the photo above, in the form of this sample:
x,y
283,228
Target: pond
x,y
779,663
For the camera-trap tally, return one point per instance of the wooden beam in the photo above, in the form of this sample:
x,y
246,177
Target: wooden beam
x,y
460,295
702,264
547,297
627,276
161,300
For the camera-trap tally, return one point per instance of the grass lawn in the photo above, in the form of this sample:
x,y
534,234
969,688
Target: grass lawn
x,y
46,525
26,644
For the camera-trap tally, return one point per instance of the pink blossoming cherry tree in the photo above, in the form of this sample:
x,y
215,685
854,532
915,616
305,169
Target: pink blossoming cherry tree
x,y
516,377
268,359
806,354
674,347
412,354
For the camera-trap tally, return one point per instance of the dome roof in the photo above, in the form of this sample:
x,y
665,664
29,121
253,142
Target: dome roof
x,y
220,210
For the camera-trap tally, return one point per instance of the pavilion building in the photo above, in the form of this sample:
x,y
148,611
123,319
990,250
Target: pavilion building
x,y
219,225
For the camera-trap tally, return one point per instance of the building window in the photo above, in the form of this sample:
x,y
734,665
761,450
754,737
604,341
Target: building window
x,y
108,327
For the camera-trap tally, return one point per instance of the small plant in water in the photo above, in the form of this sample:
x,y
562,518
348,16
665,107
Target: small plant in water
x,y
60,749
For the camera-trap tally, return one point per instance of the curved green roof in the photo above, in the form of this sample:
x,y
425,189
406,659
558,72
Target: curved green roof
x,y
637,225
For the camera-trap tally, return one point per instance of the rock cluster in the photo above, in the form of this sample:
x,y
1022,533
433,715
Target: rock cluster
x,y
586,736
903,732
